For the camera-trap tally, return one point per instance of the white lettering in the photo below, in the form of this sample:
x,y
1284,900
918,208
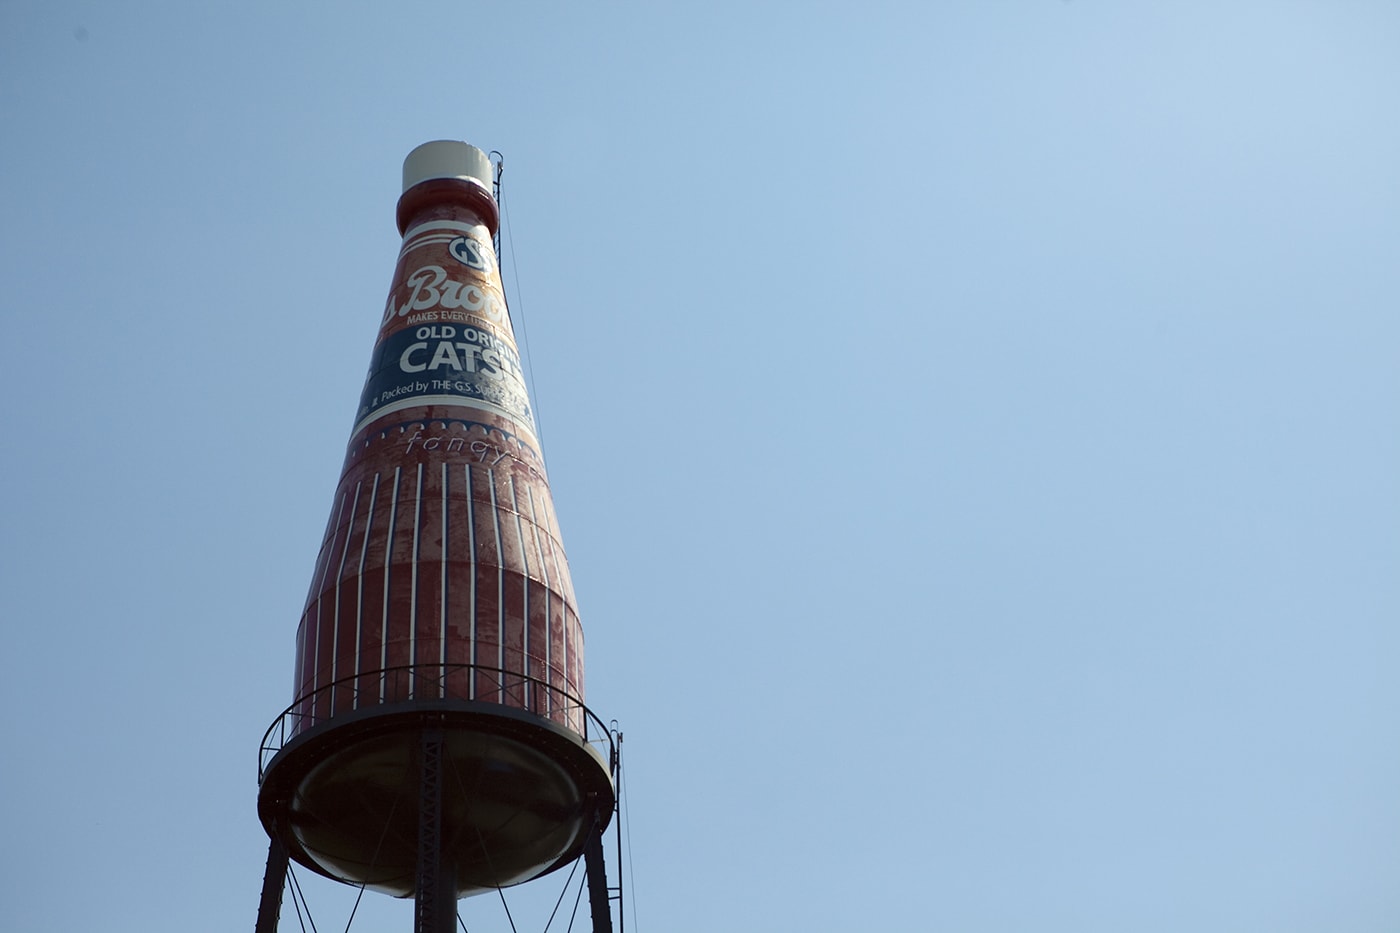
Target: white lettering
x,y
469,354
408,367
445,355
429,287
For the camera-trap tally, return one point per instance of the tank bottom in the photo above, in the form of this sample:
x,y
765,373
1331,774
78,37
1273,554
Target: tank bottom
x,y
519,795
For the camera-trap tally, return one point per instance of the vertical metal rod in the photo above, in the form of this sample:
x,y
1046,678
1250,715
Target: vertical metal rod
x,y
617,829
274,881
435,900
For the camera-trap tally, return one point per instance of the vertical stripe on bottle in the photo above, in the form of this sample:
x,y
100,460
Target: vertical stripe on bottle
x,y
339,576
442,617
524,594
471,600
413,590
360,588
388,562
548,601
500,590
327,550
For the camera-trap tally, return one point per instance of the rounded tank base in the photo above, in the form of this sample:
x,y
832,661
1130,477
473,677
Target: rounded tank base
x,y
519,795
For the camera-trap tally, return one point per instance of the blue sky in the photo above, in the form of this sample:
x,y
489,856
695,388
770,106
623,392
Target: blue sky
x,y
972,425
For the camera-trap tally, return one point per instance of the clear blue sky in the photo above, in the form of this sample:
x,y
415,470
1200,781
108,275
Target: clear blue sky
x,y
973,427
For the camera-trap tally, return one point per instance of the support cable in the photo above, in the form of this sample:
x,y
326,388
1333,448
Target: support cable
x,y
298,893
578,898
502,893
624,823
499,890
356,907
520,300
485,849
296,905
562,891
373,861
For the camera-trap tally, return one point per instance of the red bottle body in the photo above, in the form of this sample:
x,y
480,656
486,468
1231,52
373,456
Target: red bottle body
x,y
442,573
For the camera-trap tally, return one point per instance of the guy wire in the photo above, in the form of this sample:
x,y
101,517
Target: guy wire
x,y
515,272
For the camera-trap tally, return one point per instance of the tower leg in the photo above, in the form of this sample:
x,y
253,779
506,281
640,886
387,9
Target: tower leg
x,y
435,900
274,880
597,880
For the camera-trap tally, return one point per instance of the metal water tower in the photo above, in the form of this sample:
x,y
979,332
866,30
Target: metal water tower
x,y
438,744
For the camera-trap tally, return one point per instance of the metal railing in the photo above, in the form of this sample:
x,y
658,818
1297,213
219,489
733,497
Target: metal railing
x,y
426,682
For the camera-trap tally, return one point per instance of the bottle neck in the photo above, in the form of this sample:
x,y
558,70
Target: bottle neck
x,y
445,199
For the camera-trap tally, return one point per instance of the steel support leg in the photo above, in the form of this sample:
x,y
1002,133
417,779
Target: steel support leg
x,y
435,901
597,880
274,880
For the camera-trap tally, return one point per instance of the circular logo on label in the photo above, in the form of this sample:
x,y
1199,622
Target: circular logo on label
x,y
470,253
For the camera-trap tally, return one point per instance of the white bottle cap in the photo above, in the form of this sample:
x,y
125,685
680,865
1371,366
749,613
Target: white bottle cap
x,y
447,158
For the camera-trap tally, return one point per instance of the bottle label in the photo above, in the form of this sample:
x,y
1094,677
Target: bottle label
x,y
446,337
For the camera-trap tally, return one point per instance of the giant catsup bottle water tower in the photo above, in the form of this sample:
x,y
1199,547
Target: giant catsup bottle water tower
x,y
438,745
